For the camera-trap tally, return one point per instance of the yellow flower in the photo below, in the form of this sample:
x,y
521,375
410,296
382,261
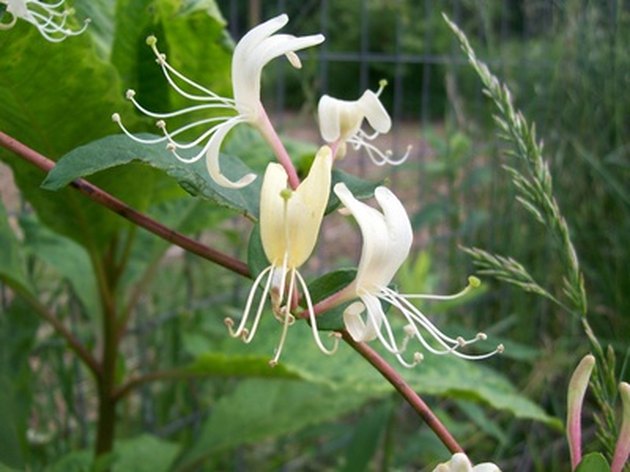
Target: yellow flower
x,y
289,226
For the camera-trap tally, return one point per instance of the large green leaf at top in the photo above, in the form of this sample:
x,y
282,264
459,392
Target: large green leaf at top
x,y
436,375
191,33
54,97
117,150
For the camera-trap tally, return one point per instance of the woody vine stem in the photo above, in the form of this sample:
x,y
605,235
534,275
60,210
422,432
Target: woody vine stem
x,y
103,369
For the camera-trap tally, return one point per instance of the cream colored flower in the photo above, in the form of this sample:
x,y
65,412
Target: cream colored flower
x,y
460,463
289,226
48,18
258,47
341,121
387,238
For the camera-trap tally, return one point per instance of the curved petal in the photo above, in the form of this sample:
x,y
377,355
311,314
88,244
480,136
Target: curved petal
x,y
18,8
329,117
458,463
355,325
486,467
254,51
375,112
307,207
290,229
386,237
272,213
212,157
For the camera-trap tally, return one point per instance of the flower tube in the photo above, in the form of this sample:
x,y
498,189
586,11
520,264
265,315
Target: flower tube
x,y
387,239
289,226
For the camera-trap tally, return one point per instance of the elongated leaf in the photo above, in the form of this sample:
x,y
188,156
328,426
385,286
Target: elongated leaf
x,y
66,257
436,375
593,462
117,150
260,409
12,263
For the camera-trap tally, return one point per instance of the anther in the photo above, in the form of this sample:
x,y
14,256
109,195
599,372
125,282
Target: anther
x,y
229,322
474,282
161,58
161,124
116,118
171,147
244,334
481,336
286,194
129,94
500,348
151,40
460,341
273,363
418,357
409,330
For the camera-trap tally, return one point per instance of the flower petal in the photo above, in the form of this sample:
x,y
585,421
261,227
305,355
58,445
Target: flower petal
x,y
212,157
387,237
259,46
355,325
375,112
329,116
293,232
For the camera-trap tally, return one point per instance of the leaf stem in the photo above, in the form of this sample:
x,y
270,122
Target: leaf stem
x,y
124,210
414,400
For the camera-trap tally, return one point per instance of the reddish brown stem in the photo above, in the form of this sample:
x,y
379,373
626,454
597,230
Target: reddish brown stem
x,y
406,391
124,210
236,266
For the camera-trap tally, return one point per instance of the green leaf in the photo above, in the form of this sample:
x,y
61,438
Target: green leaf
x,y
256,258
144,453
117,150
12,263
260,409
593,462
360,188
221,365
444,376
367,434
65,256
18,328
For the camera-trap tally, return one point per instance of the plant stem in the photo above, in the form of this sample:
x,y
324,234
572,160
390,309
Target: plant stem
x,y
406,391
124,210
75,345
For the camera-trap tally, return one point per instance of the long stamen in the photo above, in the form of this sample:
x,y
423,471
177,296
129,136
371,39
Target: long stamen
x,y
131,94
166,68
116,119
455,344
171,135
250,298
378,157
473,283
287,320
248,336
313,320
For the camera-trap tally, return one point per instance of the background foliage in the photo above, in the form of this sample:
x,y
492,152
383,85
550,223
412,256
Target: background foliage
x,y
57,249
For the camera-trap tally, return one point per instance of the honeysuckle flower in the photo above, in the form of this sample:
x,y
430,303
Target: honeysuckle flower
x,y
460,463
387,238
49,20
289,225
340,123
575,398
258,47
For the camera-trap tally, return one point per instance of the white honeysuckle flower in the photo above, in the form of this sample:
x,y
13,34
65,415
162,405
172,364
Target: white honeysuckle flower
x,y
258,47
387,239
340,122
289,225
49,20
460,463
